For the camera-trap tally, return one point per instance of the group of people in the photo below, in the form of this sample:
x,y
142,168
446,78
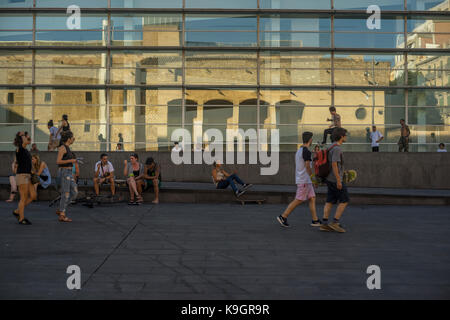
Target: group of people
x,y
139,177
336,189
374,136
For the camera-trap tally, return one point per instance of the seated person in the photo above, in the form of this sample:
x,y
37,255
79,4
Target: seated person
x,y
134,172
40,169
104,173
223,179
152,177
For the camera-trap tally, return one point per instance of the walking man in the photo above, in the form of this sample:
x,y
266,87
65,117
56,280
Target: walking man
x,y
305,188
336,123
336,189
376,138
403,143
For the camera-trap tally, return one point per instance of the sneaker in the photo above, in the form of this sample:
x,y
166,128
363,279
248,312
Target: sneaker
x,y
283,221
336,227
326,228
25,222
246,186
317,223
239,193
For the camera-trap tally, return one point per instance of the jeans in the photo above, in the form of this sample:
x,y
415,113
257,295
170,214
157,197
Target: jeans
x,y
230,182
327,132
69,188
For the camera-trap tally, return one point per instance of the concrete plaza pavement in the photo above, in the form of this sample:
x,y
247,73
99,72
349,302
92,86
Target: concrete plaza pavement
x,y
224,251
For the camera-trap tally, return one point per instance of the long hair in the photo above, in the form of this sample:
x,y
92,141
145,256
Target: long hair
x,y
18,139
37,165
65,136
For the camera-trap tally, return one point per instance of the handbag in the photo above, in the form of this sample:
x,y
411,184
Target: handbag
x,y
34,178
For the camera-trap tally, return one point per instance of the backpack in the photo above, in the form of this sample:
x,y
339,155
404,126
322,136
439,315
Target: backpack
x,y
322,165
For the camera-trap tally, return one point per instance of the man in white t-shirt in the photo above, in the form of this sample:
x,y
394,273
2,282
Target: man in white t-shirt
x,y
176,147
305,188
441,148
376,138
104,173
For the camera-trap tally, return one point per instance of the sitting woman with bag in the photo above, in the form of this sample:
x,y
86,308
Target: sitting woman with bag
x,y
40,173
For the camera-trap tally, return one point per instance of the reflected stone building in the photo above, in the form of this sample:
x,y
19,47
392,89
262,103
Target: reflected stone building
x,y
146,71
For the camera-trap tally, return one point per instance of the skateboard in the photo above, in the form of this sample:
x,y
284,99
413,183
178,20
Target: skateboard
x,y
244,201
349,176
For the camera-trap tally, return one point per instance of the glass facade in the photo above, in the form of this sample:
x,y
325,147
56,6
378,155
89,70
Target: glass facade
x,y
133,71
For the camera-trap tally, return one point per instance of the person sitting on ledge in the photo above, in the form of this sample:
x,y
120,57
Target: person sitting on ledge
x,y
134,172
104,173
152,177
223,179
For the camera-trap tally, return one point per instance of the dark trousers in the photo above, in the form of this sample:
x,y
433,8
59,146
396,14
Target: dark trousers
x,y
375,149
230,182
403,144
327,132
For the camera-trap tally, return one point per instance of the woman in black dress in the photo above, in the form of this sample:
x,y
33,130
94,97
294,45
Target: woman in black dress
x,y
23,176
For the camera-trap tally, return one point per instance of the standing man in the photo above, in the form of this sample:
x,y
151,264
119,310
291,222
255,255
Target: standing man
x,y
336,123
104,172
337,191
305,189
376,138
441,148
403,143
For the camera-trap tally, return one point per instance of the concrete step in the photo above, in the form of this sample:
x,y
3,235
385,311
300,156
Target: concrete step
x,y
186,192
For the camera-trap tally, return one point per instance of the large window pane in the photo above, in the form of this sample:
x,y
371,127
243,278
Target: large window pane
x,y
351,31
146,30
15,67
138,67
364,4
428,32
424,5
16,4
231,4
294,4
146,4
428,107
220,30
67,3
368,69
233,68
61,67
291,68
428,69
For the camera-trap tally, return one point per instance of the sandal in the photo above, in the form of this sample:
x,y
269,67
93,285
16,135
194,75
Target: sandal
x,y
25,222
139,199
63,218
15,214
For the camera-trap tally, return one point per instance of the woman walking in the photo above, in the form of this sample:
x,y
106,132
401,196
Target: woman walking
x,y
23,176
65,161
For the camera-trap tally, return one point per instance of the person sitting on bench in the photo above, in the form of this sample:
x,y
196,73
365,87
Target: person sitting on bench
x,y
223,179
104,173
152,177
134,172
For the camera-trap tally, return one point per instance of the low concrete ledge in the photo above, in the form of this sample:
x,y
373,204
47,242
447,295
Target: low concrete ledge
x,y
425,170
185,192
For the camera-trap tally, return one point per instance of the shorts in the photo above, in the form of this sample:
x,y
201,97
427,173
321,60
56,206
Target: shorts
x,y
23,178
148,184
305,192
334,195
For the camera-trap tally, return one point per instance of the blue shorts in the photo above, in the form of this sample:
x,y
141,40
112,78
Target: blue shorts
x,y
334,195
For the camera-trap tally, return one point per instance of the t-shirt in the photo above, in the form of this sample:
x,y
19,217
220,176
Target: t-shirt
x,y
53,131
441,150
375,136
301,175
335,155
104,169
23,158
